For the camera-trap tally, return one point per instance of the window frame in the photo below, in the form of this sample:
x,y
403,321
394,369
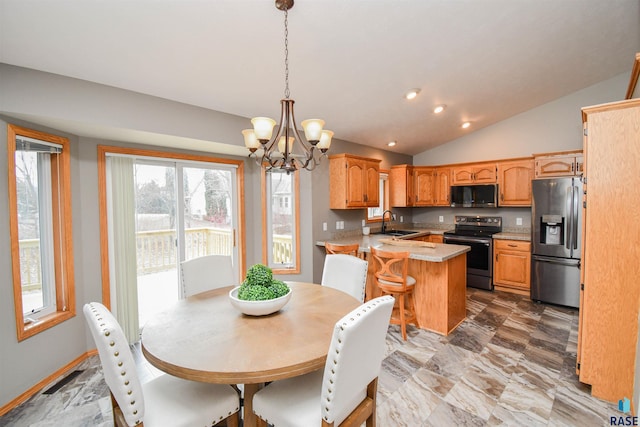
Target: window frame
x,y
384,198
295,269
62,234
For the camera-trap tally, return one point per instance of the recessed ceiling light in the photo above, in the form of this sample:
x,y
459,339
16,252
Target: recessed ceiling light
x,y
391,143
412,93
466,125
439,109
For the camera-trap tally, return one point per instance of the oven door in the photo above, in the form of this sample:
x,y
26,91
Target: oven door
x,y
479,259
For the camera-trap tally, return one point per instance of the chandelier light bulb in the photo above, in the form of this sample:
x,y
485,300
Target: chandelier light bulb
x,y
250,140
281,145
263,127
312,129
325,140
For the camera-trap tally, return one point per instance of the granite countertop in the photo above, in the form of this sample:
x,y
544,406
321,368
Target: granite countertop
x,y
514,235
441,252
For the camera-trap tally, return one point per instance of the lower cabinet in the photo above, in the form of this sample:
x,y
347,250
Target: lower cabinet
x,y
433,238
512,266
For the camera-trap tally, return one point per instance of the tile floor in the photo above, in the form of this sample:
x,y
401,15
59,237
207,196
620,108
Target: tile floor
x,y
510,363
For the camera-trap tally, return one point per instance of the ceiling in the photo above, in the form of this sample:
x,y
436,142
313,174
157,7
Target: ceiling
x,y
350,61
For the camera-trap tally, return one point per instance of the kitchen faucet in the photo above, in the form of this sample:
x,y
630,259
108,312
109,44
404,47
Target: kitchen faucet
x,y
384,226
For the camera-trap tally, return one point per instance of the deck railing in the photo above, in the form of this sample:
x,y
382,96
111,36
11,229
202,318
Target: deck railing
x,y
156,251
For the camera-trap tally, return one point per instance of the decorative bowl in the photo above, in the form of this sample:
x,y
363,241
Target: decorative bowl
x,y
258,308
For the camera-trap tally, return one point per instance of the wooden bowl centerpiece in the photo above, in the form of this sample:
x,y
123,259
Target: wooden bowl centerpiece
x,y
260,294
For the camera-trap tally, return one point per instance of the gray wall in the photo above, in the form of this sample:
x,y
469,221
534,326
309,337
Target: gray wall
x,y
555,126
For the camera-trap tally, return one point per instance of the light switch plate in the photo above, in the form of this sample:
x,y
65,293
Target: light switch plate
x,y
441,218
518,221
324,226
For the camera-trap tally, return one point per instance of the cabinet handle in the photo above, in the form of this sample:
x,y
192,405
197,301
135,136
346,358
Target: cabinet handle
x,y
573,166
502,197
511,245
497,255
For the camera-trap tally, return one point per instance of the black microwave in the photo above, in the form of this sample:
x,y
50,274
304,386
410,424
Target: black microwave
x,y
474,196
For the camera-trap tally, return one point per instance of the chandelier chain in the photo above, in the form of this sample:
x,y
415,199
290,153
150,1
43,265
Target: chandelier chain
x,y
286,53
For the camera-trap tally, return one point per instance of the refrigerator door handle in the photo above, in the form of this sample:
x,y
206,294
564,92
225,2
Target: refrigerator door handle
x,y
570,219
576,194
562,261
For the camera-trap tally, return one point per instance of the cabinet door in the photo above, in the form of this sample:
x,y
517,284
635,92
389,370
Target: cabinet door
x,y
512,264
462,175
556,166
401,186
372,189
485,174
514,183
355,183
441,187
423,181
436,238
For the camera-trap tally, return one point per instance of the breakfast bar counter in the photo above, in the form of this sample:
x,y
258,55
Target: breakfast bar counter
x,y
441,278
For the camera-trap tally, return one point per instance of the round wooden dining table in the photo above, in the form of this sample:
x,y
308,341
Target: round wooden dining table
x,y
204,338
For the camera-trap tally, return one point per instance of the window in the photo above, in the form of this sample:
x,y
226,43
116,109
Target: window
x,y
280,228
375,214
40,229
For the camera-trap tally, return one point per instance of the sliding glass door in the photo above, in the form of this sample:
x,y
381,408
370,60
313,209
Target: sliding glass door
x,y
183,210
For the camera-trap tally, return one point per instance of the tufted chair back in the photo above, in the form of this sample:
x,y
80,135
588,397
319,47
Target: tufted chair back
x,y
354,359
117,362
346,273
205,273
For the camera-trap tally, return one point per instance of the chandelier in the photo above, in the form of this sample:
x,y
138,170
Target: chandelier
x,y
287,150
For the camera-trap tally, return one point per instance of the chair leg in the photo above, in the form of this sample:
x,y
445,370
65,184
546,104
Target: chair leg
x,y
260,422
403,322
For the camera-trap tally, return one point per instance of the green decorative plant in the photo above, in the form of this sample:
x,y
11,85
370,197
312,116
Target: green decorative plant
x,y
260,285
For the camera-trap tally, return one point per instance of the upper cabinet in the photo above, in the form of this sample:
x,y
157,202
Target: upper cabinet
x,y
354,182
568,163
419,186
514,182
401,189
479,173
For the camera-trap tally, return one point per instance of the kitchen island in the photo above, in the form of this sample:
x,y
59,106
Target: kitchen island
x,y
440,273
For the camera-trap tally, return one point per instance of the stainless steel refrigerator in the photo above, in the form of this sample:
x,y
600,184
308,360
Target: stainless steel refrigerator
x,y
556,216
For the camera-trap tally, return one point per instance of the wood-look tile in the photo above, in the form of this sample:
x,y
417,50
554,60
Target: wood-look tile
x,y
510,363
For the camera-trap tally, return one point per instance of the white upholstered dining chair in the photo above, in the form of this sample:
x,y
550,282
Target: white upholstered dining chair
x,y
205,273
346,273
344,394
163,401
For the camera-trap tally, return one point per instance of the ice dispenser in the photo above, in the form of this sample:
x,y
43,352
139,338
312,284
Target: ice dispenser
x,y
552,230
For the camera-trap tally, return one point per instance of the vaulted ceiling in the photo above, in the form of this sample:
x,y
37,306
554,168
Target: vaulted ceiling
x,y
350,61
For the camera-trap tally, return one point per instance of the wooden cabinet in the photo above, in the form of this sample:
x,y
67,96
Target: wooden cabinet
x,y
559,164
514,182
433,238
479,173
512,266
431,186
401,188
610,291
354,182
441,187
423,181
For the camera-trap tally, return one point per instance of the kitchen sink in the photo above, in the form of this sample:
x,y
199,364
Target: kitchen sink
x,y
398,232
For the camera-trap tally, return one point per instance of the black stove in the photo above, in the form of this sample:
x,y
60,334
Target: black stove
x,y
476,232
476,226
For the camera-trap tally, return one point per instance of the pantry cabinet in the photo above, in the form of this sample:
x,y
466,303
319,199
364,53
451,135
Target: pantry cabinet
x,y
514,182
512,266
354,182
610,289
